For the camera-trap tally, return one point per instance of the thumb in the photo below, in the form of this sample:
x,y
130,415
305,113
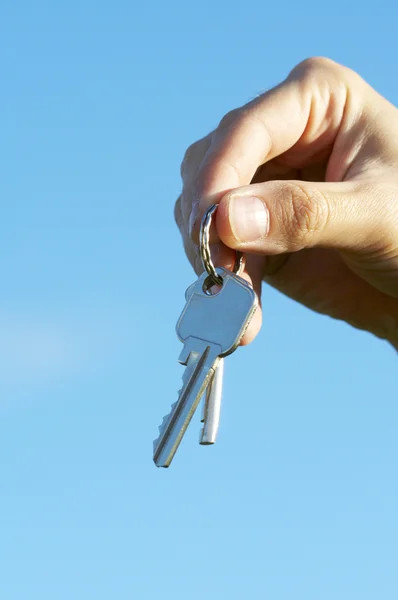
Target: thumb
x,y
285,216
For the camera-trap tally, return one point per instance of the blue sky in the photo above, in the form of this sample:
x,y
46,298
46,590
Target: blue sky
x,y
299,497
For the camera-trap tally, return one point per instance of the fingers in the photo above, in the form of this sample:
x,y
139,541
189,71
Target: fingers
x,y
299,119
303,114
189,167
286,216
222,255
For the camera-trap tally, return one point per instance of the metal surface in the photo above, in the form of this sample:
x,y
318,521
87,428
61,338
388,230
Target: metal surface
x,y
210,327
204,248
212,407
220,318
200,366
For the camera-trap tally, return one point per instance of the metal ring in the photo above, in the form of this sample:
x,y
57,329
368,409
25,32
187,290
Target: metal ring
x,y
204,247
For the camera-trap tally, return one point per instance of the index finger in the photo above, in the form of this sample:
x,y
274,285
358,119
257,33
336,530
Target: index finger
x,y
304,114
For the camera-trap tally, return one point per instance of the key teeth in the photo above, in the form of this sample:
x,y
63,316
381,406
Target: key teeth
x,y
163,424
166,418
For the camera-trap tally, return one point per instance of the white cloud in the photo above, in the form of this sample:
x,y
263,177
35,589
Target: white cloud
x,y
34,348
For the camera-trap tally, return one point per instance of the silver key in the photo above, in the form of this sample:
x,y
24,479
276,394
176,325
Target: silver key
x,y
211,326
212,407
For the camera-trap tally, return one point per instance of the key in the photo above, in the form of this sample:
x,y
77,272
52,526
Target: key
x,y
210,326
212,407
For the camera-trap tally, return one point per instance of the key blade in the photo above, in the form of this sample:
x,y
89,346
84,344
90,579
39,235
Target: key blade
x,y
212,407
199,370
163,424
191,364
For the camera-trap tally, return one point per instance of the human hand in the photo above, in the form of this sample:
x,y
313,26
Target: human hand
x,y
306,177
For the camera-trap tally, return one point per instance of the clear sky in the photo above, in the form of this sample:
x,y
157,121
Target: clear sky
x,y
299,497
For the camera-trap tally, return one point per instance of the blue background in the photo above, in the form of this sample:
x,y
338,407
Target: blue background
x,y
299,497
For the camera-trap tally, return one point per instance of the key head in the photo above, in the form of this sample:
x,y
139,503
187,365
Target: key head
x,y
220,318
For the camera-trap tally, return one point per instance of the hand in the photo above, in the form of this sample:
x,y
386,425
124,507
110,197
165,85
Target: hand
x,y
306,177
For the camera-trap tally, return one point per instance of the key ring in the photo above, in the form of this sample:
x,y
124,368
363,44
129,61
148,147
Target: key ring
x,y
204,248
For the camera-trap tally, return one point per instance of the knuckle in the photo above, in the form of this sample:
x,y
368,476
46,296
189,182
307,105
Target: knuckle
x,y
194,155
229,118
321,68
308,212
313,65
189,156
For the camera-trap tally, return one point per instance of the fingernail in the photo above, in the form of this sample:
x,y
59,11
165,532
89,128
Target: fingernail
x,y
193,217
248,217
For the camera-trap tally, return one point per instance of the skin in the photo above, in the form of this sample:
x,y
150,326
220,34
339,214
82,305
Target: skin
x,y
320,152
